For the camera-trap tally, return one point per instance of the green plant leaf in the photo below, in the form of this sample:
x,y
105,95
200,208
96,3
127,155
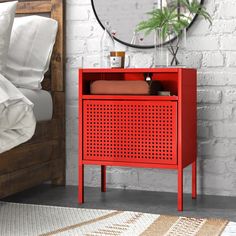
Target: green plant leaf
x,y
194,7
169,20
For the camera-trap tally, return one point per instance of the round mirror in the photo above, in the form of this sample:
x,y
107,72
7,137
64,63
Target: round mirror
x,y
123,16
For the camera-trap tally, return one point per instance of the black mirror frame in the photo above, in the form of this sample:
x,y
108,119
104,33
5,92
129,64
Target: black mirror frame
x,y
138,46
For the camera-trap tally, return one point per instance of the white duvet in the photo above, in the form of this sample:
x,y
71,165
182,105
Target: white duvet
x,y
17,120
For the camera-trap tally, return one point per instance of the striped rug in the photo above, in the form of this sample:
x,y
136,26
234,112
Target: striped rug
x,y
31,220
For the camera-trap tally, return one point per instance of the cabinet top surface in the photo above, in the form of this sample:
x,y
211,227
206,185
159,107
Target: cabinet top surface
x,y
133,70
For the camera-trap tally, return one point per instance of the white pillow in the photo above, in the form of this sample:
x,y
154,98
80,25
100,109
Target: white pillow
x,y
30,50
7,13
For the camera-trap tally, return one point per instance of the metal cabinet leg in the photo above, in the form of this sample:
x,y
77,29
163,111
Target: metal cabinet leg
x,y
81,184
103,178
180,189
194,180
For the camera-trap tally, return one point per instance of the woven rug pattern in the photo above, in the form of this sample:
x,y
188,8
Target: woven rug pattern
x,y
32,220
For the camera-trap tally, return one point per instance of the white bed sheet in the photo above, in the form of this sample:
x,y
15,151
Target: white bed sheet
x,y
17,119
42,100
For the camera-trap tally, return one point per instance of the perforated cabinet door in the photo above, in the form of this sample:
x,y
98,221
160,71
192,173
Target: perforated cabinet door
x,y
130,131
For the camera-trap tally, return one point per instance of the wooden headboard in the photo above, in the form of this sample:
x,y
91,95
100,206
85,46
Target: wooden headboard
x,y
54,78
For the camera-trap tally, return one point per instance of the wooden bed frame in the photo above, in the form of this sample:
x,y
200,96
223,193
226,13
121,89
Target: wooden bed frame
x,y
43,157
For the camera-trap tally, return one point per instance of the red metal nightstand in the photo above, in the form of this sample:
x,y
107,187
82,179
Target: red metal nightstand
x,y
139,131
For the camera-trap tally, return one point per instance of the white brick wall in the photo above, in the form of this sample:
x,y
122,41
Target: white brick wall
x,y
213,51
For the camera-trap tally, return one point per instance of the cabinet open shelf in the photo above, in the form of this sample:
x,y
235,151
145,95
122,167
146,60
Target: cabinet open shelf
x,y
167,78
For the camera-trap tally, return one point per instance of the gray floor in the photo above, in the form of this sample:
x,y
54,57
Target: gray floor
x,y
143,201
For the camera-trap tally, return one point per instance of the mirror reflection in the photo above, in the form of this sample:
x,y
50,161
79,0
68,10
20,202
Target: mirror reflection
x,y
123,16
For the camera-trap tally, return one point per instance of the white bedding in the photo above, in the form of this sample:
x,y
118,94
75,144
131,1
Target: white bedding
x,y
30,50
42,101
17,120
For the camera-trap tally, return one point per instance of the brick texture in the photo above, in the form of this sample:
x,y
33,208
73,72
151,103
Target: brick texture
x,y
210,49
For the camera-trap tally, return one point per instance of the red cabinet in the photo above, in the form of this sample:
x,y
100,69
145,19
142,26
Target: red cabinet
x,y
139,131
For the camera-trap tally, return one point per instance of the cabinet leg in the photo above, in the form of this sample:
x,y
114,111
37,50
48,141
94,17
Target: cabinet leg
x,y
180,190
81,184
194,180
103,178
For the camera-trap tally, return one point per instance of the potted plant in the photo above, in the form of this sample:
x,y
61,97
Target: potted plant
x,y
170,22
